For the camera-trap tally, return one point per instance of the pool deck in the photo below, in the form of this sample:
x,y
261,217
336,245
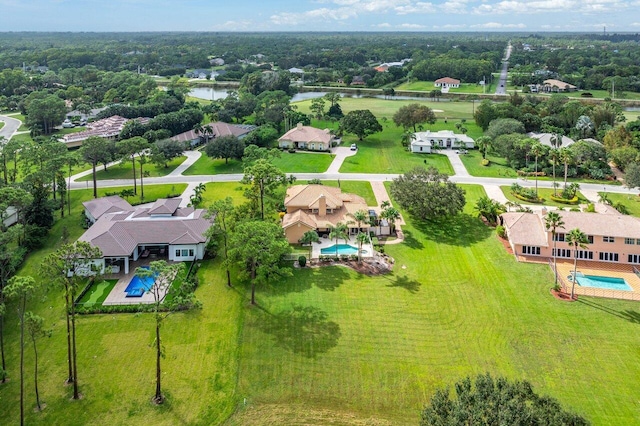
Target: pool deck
x,y
326,242
602,269
118,295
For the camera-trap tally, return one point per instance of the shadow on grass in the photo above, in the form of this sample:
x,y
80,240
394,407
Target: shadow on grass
x,y
304,330
412,286
460,230
327,278
411,241
628,315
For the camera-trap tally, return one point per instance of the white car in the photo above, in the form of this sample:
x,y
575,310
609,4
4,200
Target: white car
x,y
353,147
67,124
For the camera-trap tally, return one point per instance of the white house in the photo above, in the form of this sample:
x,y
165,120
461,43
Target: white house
x,y
447,82
164,230
424,142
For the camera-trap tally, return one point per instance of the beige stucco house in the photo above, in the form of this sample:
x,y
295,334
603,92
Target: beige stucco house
x,y
613,237
319,207
306,137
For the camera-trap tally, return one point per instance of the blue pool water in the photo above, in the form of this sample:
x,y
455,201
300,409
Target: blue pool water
x,y
137,286
342,249
609,283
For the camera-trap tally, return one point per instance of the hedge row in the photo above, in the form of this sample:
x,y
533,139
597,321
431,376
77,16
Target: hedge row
x,y
529,200
561,200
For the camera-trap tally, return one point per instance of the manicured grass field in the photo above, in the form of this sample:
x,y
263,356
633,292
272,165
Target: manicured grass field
x,y
545,193
288,163
631,202
497,167
387,107
98,292
427,86
124,170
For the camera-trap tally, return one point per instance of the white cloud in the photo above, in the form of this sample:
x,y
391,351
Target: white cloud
x,y
303,18
383,25
450,26
417,7
411,26
234,26
497,25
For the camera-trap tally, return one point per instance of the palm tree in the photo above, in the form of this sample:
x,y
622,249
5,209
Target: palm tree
x,y
576,238
483,143
339,231
361,238
553,221
309,237
391,214
208,132
584,125
360,216
407,137
489,209
537,149
566,157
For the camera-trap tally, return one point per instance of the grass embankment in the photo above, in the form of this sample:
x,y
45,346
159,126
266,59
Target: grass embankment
x,y
289,163
545,193
124,170
631,202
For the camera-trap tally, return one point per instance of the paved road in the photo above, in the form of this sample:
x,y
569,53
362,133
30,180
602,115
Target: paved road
x,y
501,89
11,126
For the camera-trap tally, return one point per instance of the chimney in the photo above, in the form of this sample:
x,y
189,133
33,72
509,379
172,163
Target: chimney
x,y
544,211
322,205
299,126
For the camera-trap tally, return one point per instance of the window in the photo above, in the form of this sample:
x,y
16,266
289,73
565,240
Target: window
x,y
559,236
561,252
177,253
608,239
630,241
190,252
420,149
314,210
185,252
608,257
329,211
585,254
590,238
633,258
532,250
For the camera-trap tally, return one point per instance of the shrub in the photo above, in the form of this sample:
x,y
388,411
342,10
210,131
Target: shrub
x,y
590,208
563,200
292,151
502,233
344,257
302,261
621,208
485,162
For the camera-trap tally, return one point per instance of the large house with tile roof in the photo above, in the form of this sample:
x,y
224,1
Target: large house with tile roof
x,y
319,208
307,137
107,128
124,233
218,129
613,237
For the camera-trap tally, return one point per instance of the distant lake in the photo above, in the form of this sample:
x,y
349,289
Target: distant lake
x,y
212,94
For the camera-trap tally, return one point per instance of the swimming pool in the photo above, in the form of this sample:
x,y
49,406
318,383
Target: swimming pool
x,y
597,281
138,286
342,249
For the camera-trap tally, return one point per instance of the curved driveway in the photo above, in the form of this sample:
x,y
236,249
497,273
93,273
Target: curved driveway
x,y
11,126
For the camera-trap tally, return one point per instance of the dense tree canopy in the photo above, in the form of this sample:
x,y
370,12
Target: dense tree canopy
x,y
412,115
361,123
428,194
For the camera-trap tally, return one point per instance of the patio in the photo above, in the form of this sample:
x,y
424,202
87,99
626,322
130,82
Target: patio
x,y
118,296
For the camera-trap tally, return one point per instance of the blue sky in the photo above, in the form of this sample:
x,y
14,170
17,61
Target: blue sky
x,y
320,15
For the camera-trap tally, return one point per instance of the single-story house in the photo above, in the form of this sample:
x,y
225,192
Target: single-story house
x,y
306,137
218,129
545,139
108,128
124,233
555,86
318,208
424,142
613,237
447,82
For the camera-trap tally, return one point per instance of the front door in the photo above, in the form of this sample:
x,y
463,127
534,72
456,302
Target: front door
x,y
448,143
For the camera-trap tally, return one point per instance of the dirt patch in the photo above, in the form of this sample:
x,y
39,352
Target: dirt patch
x,y
565,297
379,265
505,244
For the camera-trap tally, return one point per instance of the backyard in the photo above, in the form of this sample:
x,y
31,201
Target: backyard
x,y
288,163
330,346
124,170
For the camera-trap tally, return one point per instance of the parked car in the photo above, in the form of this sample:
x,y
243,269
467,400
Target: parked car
x,y
67,124
461,151
353,147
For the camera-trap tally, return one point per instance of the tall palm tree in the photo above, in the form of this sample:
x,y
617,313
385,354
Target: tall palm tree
x,y
584,125
552,222
391,214
338,232
361,238
483,143
566,156
360,217
577,239
407,137
309,237
537,149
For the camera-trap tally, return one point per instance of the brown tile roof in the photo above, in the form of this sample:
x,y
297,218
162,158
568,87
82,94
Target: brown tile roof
x,y
165,206
111,204
307,134
447,80
219,129
298,217
109,127
558,83
306,197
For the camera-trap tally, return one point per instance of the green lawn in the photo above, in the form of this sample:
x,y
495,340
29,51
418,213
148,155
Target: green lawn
x,y
383,153
497,167
288,163
545,193
631,202
427,86
124,170
1,124
98,292
387,107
